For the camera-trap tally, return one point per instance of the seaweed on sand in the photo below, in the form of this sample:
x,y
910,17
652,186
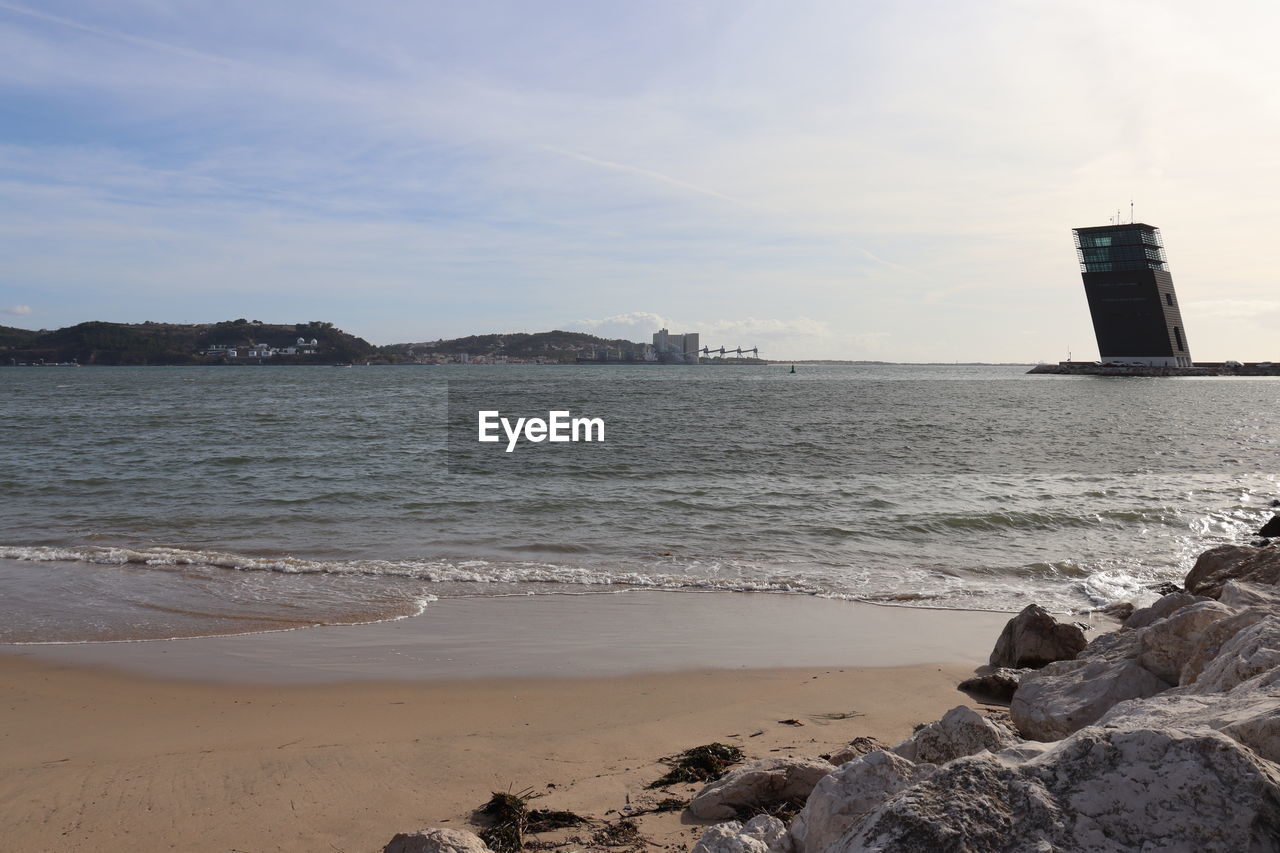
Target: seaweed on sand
x,y
545,820
667,804
510,818
699,764
839,715
622,833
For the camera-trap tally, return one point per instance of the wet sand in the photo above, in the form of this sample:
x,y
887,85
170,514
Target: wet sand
x,y
567,636
336,739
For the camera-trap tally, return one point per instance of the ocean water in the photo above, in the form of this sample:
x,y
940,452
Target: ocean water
x,y
159,502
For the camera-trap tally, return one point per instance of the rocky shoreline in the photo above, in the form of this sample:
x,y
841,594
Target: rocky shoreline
x,y
1163,734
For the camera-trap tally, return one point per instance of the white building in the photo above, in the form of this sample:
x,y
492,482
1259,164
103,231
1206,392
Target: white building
x,y
680,348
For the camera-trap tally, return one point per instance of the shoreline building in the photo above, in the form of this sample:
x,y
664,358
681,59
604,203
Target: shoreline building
x,y
1135,311
682,349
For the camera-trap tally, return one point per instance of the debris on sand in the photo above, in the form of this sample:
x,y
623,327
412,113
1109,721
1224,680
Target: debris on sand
x,y
622,833
510,819
783,810
699,764
667,804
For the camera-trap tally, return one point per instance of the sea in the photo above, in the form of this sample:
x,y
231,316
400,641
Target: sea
x,y
153,502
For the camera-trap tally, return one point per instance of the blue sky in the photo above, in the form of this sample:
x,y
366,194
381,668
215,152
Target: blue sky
x,y
886,180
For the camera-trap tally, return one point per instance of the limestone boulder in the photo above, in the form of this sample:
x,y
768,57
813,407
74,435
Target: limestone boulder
x,y
1214,637
1164,607
856,748
1066,696
1260,732
436,841
1117,645
1118,610
1233,562
763,783
961,731
998,683
846,796
1034,638
1250,715
761,834
1166,646
1242,594
1252,651
1271,528
1099,790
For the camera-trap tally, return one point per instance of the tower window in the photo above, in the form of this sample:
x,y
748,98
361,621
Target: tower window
x,y
1168,298
1177,334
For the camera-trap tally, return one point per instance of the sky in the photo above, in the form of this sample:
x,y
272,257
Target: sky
x,y
846,180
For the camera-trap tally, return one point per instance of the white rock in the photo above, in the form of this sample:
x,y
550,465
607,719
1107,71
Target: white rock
x,y
1214,637
1067,696
1099,791
1241,594
1252,651
961,731
1024,751
1118,610
1260,732
1166,646
437,841
727,837
856,748
762,834
999,683
1250,714
771,831
760,783
848,794
1166,606
1117,645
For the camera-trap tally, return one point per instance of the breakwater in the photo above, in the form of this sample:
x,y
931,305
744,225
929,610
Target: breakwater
x,y
1089,368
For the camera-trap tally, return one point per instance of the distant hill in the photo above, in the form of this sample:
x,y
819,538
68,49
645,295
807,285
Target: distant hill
x,y
11,337
559,345
99,342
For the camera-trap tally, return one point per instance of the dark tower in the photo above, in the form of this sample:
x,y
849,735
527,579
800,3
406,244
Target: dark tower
x,y
1135,311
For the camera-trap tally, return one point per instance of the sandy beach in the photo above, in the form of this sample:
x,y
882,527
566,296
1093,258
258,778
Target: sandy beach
x,y
251,744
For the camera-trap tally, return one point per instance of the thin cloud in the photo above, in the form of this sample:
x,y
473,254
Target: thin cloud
x,y
634,318
117,35
890,264
648,173
266,149
17,310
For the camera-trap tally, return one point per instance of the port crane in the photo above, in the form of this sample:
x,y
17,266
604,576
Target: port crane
x,y
738,351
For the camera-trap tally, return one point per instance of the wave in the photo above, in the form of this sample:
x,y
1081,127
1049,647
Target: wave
x,y
477,571
274,626
1030,520
1063,586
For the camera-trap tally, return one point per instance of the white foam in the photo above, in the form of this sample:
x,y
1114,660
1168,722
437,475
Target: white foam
x,y
933,588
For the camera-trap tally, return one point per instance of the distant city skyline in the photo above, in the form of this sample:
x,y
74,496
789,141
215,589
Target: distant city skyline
x,y
879,180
